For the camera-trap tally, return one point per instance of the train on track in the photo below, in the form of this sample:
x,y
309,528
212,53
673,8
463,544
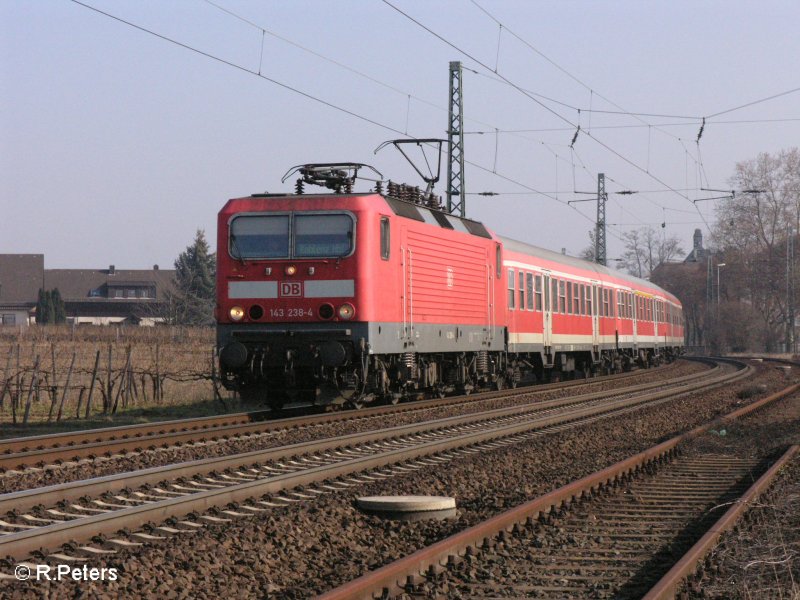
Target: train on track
x,y
352,298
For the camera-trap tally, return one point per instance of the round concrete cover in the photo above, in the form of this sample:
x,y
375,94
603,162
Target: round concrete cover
x,y
406,503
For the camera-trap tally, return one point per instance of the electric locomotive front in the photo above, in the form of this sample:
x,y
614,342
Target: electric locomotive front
x,y
288,280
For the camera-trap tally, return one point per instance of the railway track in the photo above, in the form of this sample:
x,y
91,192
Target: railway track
x,y
51,516
611,534
37,451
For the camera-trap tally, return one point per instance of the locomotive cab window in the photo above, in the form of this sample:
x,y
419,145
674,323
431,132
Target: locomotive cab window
x,y
322,236
260,236
296,235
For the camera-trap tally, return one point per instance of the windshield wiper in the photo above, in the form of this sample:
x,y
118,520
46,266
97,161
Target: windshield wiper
x,y
236,249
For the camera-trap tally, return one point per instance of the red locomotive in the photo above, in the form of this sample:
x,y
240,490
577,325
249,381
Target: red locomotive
x,y
352,298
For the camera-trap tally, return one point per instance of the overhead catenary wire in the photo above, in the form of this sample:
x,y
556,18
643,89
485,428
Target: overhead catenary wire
x,y
690,125
300,92
590,89
374,122
532,98
754,102
697,160
409,96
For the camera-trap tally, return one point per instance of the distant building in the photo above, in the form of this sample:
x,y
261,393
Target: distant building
x,y
99,297
688,280
21,277
698,253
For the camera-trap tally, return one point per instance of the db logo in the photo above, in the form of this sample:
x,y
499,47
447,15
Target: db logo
x,y
291,289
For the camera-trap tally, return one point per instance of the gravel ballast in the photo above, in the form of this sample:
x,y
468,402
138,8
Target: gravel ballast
x,y
300,550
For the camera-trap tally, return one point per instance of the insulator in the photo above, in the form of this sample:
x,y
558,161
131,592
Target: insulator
x,y
348,187
379,187
482,361
392,189
415,193
298,187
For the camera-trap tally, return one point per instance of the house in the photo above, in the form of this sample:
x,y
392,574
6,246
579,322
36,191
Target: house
x,y
21,277
98,297
698,253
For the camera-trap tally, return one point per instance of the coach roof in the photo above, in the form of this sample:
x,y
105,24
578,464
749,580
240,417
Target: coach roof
x,y
580,263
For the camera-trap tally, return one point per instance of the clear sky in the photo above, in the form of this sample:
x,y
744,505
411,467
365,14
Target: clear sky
x,y
117,145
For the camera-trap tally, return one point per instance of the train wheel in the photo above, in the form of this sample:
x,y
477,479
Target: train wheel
x,y
253,394
276,398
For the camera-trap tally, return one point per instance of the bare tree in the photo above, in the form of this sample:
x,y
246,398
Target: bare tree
x,y
752,231
645,250
588,253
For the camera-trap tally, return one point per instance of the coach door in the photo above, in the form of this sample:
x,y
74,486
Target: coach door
x,y
547,315
635,318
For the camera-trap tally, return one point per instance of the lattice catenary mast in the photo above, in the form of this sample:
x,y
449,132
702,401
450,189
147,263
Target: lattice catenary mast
x,y
600,227
455,143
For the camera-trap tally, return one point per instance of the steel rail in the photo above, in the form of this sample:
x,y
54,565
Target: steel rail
x,y
669,585
27,499
166,438
25,542
29,450
392,578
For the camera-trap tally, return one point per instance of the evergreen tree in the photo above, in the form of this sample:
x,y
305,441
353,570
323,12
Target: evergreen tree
x,y
59,310
192,301
45,310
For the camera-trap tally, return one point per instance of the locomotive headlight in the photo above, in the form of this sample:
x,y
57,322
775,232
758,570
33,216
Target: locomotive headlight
x,y
346,312
236,313
290,270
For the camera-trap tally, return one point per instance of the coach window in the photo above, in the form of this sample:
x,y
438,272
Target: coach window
x,y
529,290
589,300
569,297
582,298
511,288
576,299
259,237
538,280
554,294
562,298
521,290
385,238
